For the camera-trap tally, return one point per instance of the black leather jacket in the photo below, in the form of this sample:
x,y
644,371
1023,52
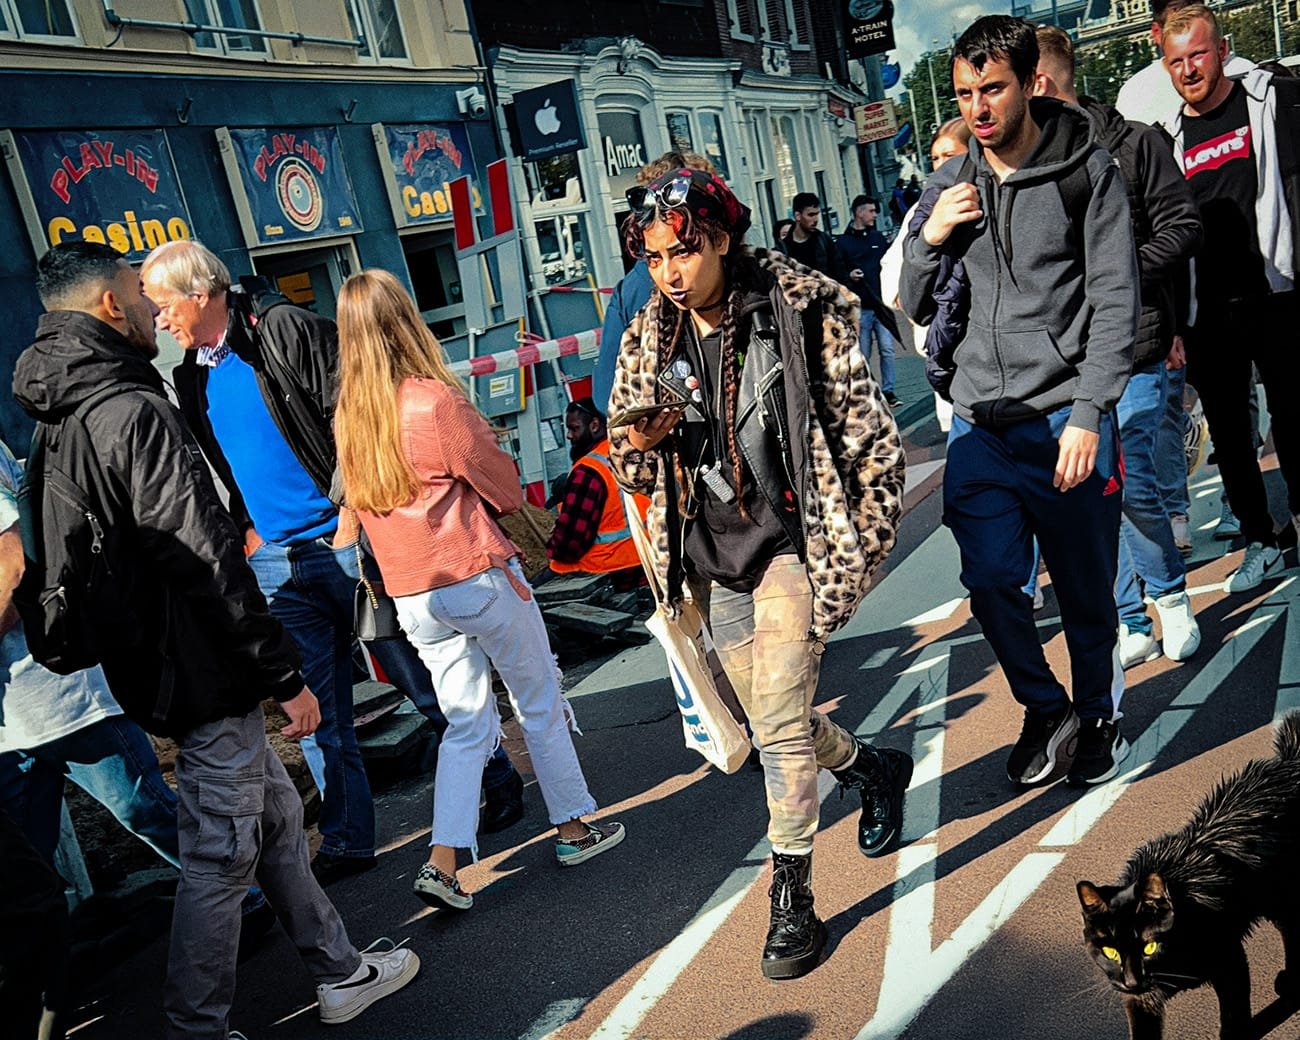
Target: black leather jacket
x,y
295,355
188,637
772,400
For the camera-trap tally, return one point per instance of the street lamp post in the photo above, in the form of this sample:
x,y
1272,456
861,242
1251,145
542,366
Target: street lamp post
x,y
934,93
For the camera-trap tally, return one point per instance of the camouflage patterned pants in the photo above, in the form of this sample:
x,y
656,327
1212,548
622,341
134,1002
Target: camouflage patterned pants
x,y
762,640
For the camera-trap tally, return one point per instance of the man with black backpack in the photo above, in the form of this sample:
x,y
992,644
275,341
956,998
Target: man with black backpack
x,y
257,385
136,565
1043,360
1166,230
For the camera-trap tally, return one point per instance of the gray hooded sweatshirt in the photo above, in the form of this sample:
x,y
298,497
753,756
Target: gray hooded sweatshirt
x,y
1052,321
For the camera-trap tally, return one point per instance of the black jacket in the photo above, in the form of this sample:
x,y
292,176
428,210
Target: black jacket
x,y
192,639
1166,224
295,356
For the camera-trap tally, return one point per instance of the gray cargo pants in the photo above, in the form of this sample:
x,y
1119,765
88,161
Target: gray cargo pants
x,y
240,817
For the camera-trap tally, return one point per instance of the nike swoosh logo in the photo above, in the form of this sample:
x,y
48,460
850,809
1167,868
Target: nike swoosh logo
x,y
370,977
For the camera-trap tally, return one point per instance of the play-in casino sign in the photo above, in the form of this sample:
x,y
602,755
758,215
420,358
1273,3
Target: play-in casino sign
x,y
296,183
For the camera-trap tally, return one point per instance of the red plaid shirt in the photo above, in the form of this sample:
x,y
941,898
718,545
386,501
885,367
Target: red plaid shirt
x,y
580,512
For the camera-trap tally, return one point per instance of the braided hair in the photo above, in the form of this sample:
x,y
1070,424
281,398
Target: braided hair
x,y
742,276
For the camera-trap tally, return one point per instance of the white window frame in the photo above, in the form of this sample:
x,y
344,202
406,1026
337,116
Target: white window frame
x,y
796,43
727,152
16,31
733,20
755,118
764,26
361,15
221,41
814,146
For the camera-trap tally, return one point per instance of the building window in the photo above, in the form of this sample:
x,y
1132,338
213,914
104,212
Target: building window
x,y
756,139
37,19
792,23
431,263
740,15
786,146
554,183
380,29
562,244
711,142
810,123
679,132
230,14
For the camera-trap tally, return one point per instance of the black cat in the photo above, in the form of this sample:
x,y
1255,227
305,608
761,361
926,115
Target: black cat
x,y
1187,900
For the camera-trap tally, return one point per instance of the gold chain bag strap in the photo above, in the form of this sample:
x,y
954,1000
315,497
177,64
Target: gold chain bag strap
x,y
374,613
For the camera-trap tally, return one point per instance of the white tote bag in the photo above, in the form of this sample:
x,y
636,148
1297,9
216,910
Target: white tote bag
x,y
712,719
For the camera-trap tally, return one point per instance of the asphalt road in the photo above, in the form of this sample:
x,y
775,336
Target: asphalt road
x,y
970,930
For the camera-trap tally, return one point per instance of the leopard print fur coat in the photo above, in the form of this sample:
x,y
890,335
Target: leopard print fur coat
x,y
855,494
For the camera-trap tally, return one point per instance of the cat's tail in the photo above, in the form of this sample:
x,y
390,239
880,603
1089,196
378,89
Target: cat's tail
x,y
1287,740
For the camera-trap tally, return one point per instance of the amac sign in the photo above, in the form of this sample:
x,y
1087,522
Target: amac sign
x,y
116,188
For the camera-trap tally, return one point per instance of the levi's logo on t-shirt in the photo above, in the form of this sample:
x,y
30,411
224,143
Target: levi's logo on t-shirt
x,y
1210,155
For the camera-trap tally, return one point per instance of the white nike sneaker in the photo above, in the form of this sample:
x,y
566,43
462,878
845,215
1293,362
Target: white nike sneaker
x,y
378,975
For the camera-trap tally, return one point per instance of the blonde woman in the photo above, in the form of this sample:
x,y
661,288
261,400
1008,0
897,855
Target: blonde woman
x,y
422,468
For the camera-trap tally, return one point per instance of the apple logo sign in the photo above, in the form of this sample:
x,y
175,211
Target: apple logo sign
x,y
546,119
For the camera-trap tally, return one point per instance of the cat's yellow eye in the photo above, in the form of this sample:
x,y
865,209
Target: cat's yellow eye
x,y
1150,949
1111,953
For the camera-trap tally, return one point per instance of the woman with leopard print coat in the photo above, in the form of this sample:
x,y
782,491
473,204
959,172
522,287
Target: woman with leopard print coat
x,y
775,474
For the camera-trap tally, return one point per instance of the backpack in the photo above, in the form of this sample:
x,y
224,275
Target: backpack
x,y
68,585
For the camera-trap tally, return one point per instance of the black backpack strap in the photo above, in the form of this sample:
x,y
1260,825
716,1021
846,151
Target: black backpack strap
x,y
1076,194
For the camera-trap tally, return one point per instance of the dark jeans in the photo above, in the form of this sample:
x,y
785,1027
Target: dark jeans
x,y
1227,340
998,496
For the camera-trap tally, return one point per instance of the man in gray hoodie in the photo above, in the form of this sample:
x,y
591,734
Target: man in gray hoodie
x,y
1046,240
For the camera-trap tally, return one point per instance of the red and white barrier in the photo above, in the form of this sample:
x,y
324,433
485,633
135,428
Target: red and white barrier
x,y
530,354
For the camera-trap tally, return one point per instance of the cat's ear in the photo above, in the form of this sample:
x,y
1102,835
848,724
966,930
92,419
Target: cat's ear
x,y
1091,898
1155,897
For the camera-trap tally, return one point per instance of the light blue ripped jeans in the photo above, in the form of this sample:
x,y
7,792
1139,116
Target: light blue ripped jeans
x,y
461,633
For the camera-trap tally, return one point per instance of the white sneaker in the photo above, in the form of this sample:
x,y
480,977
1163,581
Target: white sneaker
x,y
1229,526
1136,647
1180,635
1182,529
1259,563
379,974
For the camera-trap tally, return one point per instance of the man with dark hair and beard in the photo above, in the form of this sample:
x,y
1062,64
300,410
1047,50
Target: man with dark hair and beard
x,y
1039,217
187,644
591,534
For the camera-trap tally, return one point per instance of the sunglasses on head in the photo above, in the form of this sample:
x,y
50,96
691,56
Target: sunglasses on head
x,y
585,409
645,201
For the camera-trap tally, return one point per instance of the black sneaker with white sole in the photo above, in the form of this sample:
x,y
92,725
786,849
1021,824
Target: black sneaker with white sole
x,y
1044,740
1102,748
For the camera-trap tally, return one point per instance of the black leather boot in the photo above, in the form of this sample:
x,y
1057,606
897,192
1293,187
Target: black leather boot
x,y
882,775
795,940
505,804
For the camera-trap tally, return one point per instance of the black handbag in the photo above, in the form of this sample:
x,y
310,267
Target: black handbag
x,y
374,612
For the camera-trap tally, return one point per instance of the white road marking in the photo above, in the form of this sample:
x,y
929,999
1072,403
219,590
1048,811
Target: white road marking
x,y
1288,680
879,658
914,973
669,964
558,1014
918,472
940,613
